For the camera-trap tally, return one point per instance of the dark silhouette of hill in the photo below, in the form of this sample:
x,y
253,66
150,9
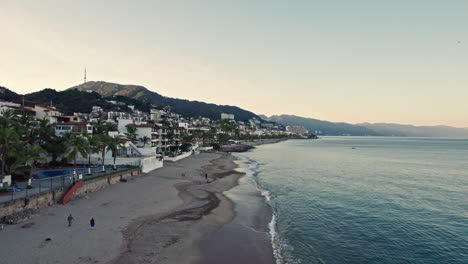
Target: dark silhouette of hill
x,y
181,106
72,101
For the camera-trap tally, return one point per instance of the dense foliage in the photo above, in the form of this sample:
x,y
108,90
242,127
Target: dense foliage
x,y
184,107
24,143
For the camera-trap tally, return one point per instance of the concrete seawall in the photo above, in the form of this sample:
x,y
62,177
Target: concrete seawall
x,y
49,198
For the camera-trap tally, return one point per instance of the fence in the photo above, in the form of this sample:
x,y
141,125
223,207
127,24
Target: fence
x,y
65,180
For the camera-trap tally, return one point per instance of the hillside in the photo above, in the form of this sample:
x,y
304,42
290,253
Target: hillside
x,y
416,131
71,101
184,107
8,95
323,127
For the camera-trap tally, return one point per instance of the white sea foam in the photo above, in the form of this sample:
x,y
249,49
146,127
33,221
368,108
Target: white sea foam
x,y
276,243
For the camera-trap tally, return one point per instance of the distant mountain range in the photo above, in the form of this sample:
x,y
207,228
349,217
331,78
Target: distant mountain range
x,y
321,127
416,131
81,98
184,107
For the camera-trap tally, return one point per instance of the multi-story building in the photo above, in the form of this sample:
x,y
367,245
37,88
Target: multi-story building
x,y
227,116
48,112
164,139
297,130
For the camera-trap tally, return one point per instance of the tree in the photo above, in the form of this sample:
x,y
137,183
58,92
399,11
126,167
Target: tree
x,y
30,156
145,140
101,127
114,144
170,137
167,108
186,141
7,118
222,138
9,142
102,142
75,145
43,133
131,133
92,146
56,148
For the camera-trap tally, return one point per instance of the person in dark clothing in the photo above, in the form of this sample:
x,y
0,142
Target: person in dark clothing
x,y
91,222
70,219
206,178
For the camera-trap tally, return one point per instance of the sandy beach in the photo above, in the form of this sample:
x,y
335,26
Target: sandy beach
x,y
161,217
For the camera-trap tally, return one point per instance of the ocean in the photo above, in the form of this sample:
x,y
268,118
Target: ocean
x,y
365,199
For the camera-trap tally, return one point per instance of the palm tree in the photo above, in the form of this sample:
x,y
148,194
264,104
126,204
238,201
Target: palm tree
x,y
102,142
7,118
114,144
145,140
91,146
9,141
75,145
131,133
30,155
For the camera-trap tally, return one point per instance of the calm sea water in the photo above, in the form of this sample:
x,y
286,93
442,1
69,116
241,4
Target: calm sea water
x,y
367,199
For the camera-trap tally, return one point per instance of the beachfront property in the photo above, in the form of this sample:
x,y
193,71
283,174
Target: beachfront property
x,y
297,130
164,139
128,136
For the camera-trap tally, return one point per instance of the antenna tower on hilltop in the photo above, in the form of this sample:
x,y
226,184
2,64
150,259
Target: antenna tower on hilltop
x,y
84,75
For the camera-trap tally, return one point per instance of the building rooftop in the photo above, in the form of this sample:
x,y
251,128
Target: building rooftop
x,y
47,107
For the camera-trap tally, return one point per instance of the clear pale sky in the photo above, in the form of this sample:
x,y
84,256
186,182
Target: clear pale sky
x,y
398,61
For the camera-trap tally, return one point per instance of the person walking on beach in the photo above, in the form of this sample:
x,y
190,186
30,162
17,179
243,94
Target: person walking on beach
x,y
206,177
91,222
70,219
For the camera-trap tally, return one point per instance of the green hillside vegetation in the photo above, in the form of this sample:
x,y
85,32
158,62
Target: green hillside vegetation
x,y
184,107
74,101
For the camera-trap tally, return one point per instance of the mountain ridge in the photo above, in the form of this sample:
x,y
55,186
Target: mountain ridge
x,y
368,129
181,106
393,129
321,127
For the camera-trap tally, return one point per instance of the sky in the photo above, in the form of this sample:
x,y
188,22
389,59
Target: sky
x,y
399,61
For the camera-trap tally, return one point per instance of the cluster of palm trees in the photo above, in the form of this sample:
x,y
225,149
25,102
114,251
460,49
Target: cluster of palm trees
x,y
25,142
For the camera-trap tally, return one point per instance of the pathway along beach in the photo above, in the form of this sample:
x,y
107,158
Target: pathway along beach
x,y
170,215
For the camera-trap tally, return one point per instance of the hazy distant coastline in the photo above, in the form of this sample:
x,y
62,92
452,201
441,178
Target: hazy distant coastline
x,y
326,128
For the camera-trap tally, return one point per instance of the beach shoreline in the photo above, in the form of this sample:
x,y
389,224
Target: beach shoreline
x,y
173,237
159,217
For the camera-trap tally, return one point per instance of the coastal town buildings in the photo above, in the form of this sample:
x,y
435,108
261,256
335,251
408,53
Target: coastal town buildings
x,y
297,130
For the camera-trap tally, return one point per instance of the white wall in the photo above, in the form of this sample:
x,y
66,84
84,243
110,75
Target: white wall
x,y
147,151
150,163
122,125
179,157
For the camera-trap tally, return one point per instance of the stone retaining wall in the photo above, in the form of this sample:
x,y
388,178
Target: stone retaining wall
x,y
35,201
45,199
103,182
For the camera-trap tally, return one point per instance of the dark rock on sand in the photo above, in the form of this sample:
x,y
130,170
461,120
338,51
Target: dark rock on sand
x,y
236,148
19,217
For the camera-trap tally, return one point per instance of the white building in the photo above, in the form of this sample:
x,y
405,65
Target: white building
x,y
297,130
48,112
227,116
158,136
